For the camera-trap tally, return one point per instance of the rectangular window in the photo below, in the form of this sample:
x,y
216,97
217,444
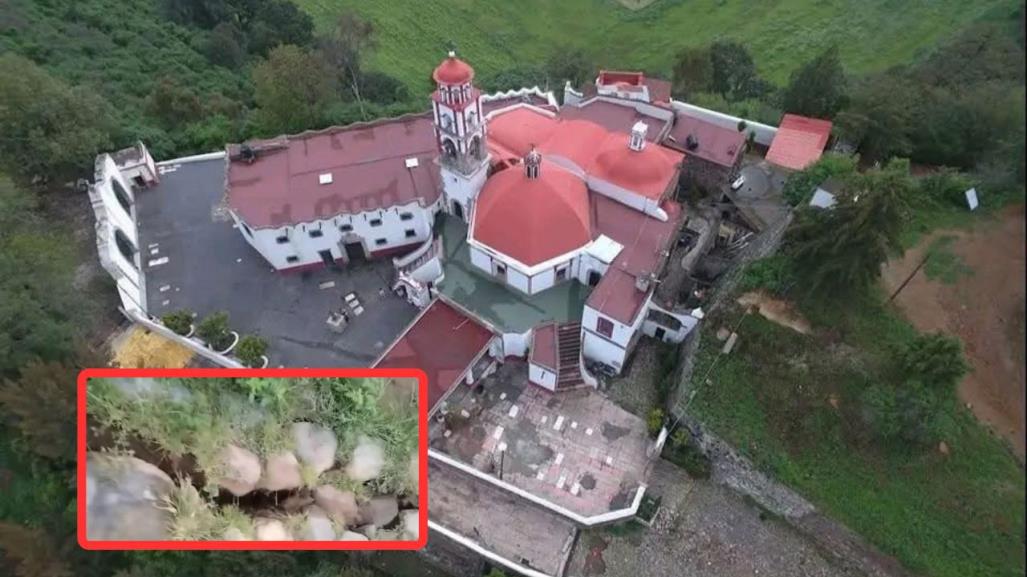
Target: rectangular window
x,y
380,241
561,274
406,216
376,222
282,239
410,233
292,258
346,228
500,269
604,327
316,233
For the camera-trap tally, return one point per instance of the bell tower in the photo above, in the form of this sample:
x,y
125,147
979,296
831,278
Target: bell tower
x,y
460,131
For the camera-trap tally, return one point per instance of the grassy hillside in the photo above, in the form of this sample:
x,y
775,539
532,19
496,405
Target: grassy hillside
x,y
781,34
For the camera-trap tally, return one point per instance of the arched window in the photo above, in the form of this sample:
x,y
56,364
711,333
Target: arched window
x,y
448,149
475,150
125,246
122,195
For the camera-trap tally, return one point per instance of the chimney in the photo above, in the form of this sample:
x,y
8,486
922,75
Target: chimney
x,y
691,142
637,142
533,164
642,282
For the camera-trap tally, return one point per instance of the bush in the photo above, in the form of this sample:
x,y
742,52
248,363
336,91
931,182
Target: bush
x,y
936,360
655,421
214,331
799,187
682,452
250,350
947,186
772,274
910,413
179,321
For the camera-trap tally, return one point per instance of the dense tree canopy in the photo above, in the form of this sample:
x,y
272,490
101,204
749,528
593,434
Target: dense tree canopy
x,y
817,89
294,89
693,72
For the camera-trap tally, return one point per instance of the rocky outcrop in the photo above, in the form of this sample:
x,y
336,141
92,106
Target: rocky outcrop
x,y
281,472
409,524
124,496
340,505
367,460
315,446
318,526
271,530
380,511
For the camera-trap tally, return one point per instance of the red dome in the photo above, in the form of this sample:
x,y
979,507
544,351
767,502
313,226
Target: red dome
x,y
648,171
453,71
533,219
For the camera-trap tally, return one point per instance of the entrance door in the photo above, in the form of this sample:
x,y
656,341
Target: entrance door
x,y
593,277
660,333
326,257
458,210
355,252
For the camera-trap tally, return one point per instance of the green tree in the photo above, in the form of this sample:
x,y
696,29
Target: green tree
x,y
818,88
909,413
936,360
799,186
48,130
880,116
567,63
733,72
41,404
344,47
30,552
693,72
841,250
293,89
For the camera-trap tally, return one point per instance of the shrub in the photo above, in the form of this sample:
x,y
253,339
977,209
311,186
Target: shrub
x,y
682,452
214,331
800,185
947,186
772,274
250,350
179,321
910,413
655,421
936,360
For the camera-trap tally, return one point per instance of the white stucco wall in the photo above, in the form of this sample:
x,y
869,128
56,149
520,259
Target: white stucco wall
x,y
542,376
537,278
112,218
610,350
516,344
393,231
764,133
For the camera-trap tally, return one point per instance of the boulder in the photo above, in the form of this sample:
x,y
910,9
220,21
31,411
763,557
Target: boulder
x,y
233,534
369,531
271,530
240,470
380,511
281,472
351,536
340,505
315,446
148,388
367,460
122,499
318,526
409,524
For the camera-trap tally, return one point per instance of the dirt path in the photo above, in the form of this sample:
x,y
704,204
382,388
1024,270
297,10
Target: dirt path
x,y
984,307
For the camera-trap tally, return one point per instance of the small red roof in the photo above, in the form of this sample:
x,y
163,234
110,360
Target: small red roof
x,y
799,141
452,70
443,342
533,219
543,346
713,143
643,171
618,77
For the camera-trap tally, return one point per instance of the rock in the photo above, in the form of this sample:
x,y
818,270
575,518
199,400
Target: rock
x,y
281,472
367,460
233,534
319,526
723,333
122,499
341,506
315,446
380,511
146,388
413,475
351,536
271,530
297,501
409,524
369,531
943,448
240,470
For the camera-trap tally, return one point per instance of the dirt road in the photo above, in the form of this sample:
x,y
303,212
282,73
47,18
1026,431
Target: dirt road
x,y
983,304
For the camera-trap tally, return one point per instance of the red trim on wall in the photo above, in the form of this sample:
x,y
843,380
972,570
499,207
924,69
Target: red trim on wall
x,y
395,250
305,267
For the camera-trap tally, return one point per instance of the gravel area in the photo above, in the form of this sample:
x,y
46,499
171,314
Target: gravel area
x,y
702,530
634,390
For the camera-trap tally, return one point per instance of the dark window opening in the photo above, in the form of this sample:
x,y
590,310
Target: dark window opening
x,y
410,233
594,277
500,269
604,327
406,216
561,274
346,228
376,222
282,239
380,241
316,233
125,246
122,195
292,258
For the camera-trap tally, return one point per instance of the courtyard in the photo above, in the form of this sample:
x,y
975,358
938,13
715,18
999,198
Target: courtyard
x,y
575,449
194,259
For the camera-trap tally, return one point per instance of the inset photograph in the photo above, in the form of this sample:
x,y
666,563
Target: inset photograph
x,y
207,462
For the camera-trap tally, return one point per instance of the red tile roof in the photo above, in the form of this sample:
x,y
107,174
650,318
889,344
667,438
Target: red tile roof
x,y
452,70
616,77
443,342
614,117
543,346
799,141
513,132
659,90
643,171
533,219
717,144
645,239
366,162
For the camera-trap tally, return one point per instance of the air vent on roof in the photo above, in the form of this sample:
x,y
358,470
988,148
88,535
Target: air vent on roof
x,y
642,282
411,162
325,178
691,142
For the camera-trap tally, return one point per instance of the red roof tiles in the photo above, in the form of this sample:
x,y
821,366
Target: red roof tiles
x,y
282,186
543,346
452,70
642,171
799,141
717,144
443,342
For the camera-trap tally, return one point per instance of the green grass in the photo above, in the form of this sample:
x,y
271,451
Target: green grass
x,y
955,516
781,35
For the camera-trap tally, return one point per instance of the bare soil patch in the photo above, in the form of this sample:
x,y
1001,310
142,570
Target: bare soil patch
x,y
984,307
776,310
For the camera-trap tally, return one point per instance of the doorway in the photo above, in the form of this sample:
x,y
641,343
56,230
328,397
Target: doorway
x,y
458,210
593,277
326,257
355,252
660,333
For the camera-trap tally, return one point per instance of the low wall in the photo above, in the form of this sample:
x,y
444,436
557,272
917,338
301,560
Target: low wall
x,y
223,360
764,133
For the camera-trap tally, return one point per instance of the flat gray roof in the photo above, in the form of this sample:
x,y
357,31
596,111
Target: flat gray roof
x,y
210,268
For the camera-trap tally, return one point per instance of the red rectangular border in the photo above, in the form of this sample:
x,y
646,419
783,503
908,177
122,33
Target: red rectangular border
x,y
422,492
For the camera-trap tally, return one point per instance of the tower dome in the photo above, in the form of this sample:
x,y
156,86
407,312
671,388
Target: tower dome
x,y
453,71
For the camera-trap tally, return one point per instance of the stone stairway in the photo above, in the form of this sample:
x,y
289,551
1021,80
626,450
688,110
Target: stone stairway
x,y
568,350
